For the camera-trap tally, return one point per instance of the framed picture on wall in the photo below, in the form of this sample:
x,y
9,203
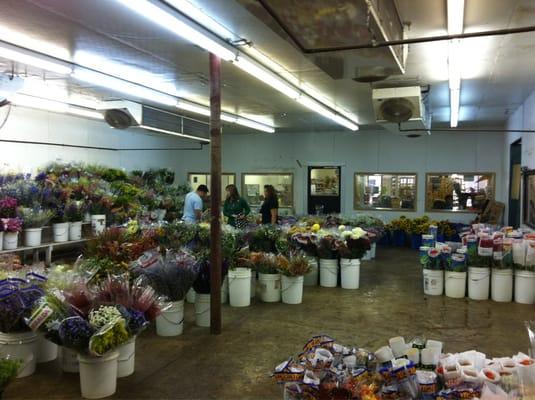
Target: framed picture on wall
x,y
529,198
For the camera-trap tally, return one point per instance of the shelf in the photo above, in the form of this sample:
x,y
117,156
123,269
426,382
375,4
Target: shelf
x,y
47,247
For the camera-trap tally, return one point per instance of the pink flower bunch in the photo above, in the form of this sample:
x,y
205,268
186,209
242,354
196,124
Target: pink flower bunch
x,y
8,207
10,224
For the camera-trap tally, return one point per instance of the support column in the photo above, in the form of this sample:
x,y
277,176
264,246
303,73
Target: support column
x,y
215,195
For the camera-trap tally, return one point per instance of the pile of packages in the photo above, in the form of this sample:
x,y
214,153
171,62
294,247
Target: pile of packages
x,y
418,369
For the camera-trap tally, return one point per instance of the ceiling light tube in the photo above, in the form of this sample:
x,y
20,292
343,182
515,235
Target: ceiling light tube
x,y
182,27
119,85
314,105
234,119
151,128
455,95
85,113
263,74
454,65
24,56
43,104
455,16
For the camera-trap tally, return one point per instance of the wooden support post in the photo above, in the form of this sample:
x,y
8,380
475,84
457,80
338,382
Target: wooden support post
x,y
215,195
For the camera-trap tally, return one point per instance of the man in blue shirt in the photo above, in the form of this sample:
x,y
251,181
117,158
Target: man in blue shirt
x,y
193,205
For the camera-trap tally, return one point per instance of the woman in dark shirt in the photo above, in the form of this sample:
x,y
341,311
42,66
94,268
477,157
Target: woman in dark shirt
x,y
270,206
235,207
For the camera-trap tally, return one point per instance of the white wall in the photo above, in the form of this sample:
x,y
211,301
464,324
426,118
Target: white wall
x,y
358,152
32,125
523,118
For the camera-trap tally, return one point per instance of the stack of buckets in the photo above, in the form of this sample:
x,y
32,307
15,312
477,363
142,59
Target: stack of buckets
x,y
491,276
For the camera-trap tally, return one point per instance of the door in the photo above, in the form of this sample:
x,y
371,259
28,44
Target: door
x,y
515,162
324,190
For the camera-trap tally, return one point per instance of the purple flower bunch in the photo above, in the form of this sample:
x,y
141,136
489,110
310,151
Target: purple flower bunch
x,y
17,298
10,225
75,333
8,207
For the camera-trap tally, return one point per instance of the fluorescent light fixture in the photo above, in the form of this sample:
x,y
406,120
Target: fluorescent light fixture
x,y
85,113
43,104
266,76
316,106
455,95
455,16
23,56
151,128
194,108
119,85
454,65
234,119
254,125
196,14
180,26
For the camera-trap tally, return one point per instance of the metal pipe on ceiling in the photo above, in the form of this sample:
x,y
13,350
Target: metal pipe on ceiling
x,y
375,45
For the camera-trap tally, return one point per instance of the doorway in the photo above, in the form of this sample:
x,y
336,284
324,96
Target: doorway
x,y
324,193
515,162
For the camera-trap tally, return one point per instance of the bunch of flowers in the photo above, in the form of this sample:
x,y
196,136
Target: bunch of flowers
x,y
28,193
328,246
34,217
17,299
296,265
74,211
9,368
171,276
264,238
306,242
8,207
354,244
266,263
10,225
202,283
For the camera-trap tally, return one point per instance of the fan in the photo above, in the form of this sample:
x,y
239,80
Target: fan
x,y
397,110
118,118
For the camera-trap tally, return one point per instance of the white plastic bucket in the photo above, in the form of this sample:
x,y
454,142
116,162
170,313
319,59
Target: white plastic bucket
x,y
502,285
224,290
328,273
171,321
202,310
190,296
433,282
311,279
32,237
350,272
1,241
126,362
270,287
11,240
46,350
367,256
22,346
373,250
292,289
75,230
61,232
69,360
98,375
525,287
478,283
98,224
239,286
455,284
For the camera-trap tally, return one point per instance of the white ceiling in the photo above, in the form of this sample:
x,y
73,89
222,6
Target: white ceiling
x,y
497,77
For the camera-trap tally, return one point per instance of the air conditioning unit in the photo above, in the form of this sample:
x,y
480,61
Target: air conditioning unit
x,y
401,109
122,114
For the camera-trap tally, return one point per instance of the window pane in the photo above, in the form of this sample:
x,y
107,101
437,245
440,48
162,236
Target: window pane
x,y
385,191
253,188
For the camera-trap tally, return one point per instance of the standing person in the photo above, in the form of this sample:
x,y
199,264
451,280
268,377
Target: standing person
x,y
270,206
235,207
193,205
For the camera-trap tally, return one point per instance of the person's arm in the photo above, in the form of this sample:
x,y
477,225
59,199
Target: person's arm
x,y
245,207
197,206
274,215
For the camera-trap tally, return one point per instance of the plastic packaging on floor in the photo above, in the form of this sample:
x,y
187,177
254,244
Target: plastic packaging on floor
x,y
418,369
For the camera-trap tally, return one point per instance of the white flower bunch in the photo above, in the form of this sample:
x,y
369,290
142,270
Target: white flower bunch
x,y
103,315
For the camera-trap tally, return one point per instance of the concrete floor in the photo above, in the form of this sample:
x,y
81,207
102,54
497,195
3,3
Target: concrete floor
x,y
237,364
